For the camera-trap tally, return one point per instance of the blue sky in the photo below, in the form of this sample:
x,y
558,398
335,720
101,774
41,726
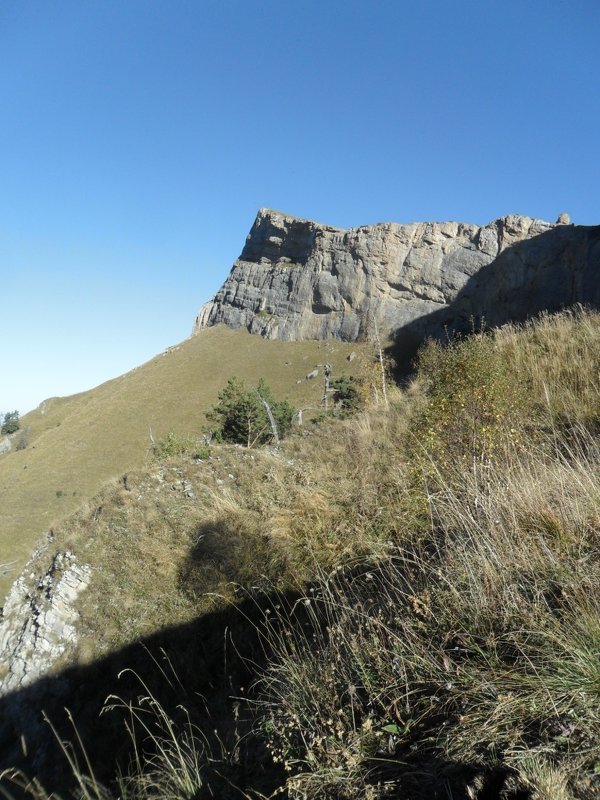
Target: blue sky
x,y
139,138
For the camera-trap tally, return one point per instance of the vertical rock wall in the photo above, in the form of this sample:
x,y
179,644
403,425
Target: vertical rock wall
x,y
297,279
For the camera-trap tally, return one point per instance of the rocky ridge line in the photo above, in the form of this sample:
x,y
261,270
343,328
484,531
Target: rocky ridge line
x,y
298,279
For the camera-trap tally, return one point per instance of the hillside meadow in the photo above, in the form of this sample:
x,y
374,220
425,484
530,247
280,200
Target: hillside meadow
x,y
403,603
78,443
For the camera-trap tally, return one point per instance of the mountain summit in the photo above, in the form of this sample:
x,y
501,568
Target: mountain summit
x,y
298,279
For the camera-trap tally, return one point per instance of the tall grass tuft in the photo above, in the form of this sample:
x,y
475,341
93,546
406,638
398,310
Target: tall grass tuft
x,y
477,650
446,639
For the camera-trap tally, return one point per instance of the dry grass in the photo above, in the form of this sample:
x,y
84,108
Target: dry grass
x,y
447,642
478,650
471,654
79,443
176,769
556,359
255,518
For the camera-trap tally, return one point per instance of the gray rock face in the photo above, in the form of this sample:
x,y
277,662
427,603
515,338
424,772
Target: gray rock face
x,y
37,628
38,621
297,279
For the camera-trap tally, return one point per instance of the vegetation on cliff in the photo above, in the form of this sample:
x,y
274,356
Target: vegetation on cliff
x,y
407,600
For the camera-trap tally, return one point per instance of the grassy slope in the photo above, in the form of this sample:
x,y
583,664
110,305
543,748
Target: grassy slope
x,y
448,643
78,443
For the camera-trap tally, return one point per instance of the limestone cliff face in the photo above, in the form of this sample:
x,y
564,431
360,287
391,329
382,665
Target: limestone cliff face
x,y
38,620
298,279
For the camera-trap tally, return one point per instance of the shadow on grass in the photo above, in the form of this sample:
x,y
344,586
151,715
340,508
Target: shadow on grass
x,y
200,669
204,673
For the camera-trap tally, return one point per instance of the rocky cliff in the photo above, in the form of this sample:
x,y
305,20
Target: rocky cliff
x,y
298,279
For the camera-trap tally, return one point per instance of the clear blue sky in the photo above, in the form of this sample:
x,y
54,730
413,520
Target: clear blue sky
x,y
138,138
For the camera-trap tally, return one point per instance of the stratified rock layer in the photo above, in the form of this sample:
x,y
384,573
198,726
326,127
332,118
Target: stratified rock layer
x,y
297,279
38,621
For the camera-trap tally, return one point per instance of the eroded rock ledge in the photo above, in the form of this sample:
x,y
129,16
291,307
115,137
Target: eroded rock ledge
x,y
37,626
298,279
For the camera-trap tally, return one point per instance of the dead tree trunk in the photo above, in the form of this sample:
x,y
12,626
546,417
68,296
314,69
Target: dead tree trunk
x,y
271,418
381,364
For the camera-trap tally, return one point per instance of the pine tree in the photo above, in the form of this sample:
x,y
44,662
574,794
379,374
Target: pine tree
x,y
11,422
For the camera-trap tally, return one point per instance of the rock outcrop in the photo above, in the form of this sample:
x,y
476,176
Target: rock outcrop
x,y
37,634
37,625
298,279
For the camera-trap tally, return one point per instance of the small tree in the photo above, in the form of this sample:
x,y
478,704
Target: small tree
x,y
11,422
242,415
346,394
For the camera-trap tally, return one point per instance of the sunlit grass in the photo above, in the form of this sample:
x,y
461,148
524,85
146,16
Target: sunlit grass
x,y
78,443
446,640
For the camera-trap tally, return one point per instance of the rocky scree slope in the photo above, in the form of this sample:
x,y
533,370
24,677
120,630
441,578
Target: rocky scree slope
x,y
298,279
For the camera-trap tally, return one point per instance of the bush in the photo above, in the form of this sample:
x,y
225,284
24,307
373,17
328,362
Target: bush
x,y
347,395
176,444
475,407
11,422
241,415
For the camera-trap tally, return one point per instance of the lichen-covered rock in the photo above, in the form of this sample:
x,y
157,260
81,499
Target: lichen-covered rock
x,y
297,279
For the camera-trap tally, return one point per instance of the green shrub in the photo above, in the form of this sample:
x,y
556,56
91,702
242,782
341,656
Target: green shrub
x,y
11,422
346,394
241,415
475,404
175,444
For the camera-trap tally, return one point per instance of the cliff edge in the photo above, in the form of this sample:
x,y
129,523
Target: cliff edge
x,y
298,279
